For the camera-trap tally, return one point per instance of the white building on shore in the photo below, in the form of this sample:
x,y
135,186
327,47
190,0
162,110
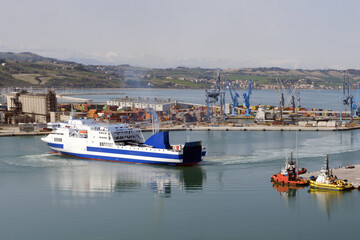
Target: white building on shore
x,y
158,105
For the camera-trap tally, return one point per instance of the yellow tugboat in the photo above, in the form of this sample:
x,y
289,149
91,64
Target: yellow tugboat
x,y
326,181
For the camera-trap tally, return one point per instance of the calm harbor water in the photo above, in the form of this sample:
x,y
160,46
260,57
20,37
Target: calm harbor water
x,y
323,99
228,196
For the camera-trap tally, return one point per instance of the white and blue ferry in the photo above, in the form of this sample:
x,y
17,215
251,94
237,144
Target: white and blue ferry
x,y
83,138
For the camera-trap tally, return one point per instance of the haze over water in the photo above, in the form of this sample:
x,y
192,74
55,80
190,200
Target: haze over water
x,y
228,196
323,99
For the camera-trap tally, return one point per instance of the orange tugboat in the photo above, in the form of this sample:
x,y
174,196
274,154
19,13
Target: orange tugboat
x,y
289,175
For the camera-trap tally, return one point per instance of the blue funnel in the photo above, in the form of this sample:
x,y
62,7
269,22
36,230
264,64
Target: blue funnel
x,y
159,140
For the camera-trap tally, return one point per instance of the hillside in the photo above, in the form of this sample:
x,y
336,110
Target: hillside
x,y
31,70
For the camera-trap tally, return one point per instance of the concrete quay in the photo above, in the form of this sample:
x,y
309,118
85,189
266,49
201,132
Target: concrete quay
x,y
352,175
75,99
261,128
6,131
9,131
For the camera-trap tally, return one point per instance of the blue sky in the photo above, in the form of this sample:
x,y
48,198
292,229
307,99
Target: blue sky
x,y
194,33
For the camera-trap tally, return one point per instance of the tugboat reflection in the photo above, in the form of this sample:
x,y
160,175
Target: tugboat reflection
x,y
288,192
93,179
328,200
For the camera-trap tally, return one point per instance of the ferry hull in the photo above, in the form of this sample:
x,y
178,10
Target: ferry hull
x,y
190,157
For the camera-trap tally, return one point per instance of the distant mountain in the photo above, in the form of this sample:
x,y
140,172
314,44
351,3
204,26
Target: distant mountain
x,y
29,69
24,56
86,61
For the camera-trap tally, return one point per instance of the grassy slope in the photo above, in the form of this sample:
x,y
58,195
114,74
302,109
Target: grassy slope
x,y
27,69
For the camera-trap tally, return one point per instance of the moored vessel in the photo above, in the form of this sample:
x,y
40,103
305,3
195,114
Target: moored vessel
x,y
289,175
326,181
83,138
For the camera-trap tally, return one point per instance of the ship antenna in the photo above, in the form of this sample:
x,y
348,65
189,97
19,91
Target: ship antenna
x,y
327,162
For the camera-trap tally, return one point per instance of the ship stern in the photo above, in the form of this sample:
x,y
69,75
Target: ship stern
x,y
192,153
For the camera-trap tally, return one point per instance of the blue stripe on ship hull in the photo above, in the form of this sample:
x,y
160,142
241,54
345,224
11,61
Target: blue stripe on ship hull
x,y
128,160
134,153
56,145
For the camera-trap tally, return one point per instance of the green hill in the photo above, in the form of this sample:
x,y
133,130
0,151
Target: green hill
x,y
31,70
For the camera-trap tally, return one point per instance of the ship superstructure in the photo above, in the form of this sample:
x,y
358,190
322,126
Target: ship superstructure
x,y
326,181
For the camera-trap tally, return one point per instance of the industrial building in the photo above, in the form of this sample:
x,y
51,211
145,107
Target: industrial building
x,y
144,103
30,107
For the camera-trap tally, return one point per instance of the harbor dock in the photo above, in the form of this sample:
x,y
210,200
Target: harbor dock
x,y
255,127
75,99
6,130
68,96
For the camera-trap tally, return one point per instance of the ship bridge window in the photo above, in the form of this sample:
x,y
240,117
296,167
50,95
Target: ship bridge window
x,y
58,139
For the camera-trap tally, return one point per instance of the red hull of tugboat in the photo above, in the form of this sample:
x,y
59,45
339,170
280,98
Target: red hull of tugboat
x,y
282,179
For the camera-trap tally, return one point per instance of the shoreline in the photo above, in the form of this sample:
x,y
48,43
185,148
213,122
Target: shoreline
x,y
7,131
86,89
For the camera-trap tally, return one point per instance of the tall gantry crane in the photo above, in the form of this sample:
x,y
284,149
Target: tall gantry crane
x,y
247,100
281,93
287,99
346,98
354,106
214,95
234,97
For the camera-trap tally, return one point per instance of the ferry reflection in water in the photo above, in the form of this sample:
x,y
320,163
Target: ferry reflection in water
x,y
328,201
96,178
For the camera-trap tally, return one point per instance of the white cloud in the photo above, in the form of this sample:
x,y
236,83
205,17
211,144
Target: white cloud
x,y
111,56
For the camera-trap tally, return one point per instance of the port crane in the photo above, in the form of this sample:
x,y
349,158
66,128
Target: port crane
x,y
212,96
290,100
234,97
247,100
281,93
346,98
290,97
354,106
